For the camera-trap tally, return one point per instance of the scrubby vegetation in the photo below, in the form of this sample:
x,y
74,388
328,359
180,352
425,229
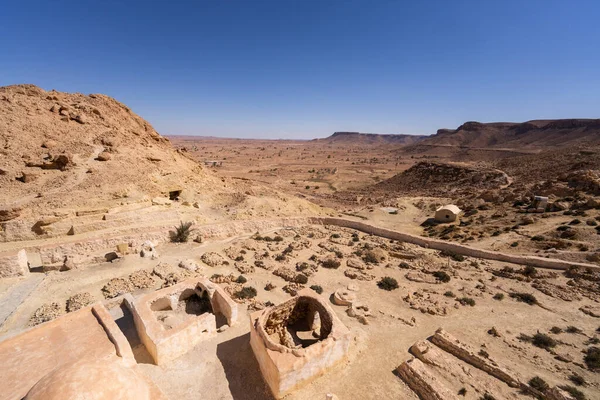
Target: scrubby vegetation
x,y
331,263
317,288
578,380
556,330
241,279
247,292
441,276
592,358
524,297
499,296
574,392
449,294
387,283
182,233
466,301
539,384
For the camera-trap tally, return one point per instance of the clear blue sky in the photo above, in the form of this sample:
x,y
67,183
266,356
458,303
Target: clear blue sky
x,y
307,68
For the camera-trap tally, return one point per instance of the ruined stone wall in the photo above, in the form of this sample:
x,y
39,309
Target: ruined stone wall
x,y
541,262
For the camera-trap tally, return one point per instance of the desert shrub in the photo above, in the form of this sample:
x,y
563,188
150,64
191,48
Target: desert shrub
x,y
370,257
355,238
524,298
466,301
335,236
572,329
302,266
498,296
577,379
576,221
539,384
462,392
449,294
404,265
543,341
181,234
493,331
241,279
278,239
514,244
454,256
484,353
338,254
313,257
529,271
592,358
593,340
441,276
307,187
280,257
215,276
302,279
239,258
288,250
387,283
574,392
247,292
317,288
331,263
538,238
487,396
556,330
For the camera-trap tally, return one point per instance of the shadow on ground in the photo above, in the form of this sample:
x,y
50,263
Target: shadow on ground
x,y
242,370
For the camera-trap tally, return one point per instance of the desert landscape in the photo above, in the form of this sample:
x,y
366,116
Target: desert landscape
x,y
464,264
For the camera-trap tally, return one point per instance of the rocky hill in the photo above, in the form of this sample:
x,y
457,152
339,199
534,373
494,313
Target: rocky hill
x,y
443,179
64,157
536,134
349,138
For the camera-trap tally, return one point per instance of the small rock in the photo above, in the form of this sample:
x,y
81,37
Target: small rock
x,y
190,265
104,156
352,287
223,328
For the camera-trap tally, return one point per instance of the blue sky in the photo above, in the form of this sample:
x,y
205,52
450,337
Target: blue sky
x,y
304,69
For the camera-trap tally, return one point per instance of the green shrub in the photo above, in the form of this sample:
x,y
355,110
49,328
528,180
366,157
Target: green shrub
x,y
484,353
317,288
370,257
466,301
331,263
247,292
498,296
454,256
525,298
441,276
574,392
578,380
181,234
538,238
556,330
241,279
302,279
387,283
449,294
539,384
573,329
404,265
278,239
239,258
543,341
335,236
529,271
592,358
280,257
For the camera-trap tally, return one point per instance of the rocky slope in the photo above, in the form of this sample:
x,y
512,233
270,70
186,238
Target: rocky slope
x,y
64,156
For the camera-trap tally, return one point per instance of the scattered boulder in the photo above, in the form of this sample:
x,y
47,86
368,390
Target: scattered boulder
x,y
189,265
104,156
148,250
212,259
116,287
141,279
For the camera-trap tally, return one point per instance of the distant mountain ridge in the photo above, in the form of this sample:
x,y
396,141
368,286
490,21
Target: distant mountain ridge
x,y
372,138
530,134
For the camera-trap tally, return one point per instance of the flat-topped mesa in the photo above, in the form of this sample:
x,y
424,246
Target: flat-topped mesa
x,y
297,341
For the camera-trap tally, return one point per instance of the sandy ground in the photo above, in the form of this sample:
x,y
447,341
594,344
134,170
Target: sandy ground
x,y
224,367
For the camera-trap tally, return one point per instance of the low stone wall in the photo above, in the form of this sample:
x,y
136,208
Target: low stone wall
x,y
550,263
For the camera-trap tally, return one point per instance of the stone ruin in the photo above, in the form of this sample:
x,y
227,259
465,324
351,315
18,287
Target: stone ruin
x,y
172,321
297,341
